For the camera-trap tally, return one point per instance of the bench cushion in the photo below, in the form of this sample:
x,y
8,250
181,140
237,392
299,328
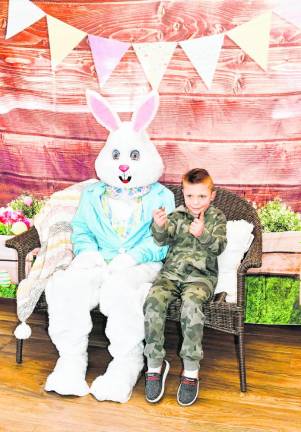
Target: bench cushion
x,y
239,239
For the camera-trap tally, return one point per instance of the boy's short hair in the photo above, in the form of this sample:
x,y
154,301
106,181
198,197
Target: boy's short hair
x,y
198,175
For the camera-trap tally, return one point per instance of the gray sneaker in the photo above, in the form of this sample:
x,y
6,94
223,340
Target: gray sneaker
x,y
188,391
155,383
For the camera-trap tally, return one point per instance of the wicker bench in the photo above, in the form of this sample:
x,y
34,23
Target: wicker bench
x,y
220,315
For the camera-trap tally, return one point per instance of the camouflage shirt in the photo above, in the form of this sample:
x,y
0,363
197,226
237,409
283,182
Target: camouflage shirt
x,y
190,259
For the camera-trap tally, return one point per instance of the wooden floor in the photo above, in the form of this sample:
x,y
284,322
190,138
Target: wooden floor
x,y
273,402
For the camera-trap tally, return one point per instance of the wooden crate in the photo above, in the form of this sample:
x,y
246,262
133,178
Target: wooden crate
x,y
281,255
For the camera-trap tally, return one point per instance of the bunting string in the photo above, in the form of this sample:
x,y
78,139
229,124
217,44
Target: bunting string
x,y
252,37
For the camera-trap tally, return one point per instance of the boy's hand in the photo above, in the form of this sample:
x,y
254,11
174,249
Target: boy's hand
x,y
160,217
198,225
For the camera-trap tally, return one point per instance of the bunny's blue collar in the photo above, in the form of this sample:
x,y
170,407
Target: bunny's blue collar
x,y
118,193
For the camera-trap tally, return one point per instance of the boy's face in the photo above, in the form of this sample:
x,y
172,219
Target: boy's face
x,y
197,197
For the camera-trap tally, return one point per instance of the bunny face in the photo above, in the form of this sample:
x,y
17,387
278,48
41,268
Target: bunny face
x,y
128,159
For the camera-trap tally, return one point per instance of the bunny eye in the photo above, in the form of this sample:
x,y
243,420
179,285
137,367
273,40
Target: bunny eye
x,y
135,155
115,154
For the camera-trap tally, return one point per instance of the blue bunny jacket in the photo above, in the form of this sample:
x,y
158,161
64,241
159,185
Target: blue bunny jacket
x,y
92,229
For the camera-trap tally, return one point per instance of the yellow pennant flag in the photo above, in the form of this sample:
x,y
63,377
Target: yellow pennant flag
x,y
253,37
62,39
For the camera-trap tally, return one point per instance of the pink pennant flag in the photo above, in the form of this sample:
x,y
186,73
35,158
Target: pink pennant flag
x,y
106,53
204,53
290,10
21,14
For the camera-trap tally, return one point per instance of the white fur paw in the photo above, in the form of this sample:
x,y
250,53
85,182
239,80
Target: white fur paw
x,y
68,378
103,388
117,383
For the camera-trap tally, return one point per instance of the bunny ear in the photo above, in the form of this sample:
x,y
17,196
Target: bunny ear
x,y
146,111
102,111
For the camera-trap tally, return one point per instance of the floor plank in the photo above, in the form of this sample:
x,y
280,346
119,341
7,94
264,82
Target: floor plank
x,y
272,403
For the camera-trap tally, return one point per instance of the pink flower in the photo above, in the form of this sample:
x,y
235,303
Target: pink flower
x,y
8,216
27,222
27,200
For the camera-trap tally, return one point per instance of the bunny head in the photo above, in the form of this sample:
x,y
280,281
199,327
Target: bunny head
x,y
129,158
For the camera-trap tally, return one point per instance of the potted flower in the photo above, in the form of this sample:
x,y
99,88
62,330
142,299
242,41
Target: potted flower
x,y
15,218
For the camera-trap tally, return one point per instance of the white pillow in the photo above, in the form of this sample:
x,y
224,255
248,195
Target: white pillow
x,y
239,239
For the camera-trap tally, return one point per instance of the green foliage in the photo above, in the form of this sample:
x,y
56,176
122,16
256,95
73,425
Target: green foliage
x,y
22,203
5,229
275,216
9,292
272,300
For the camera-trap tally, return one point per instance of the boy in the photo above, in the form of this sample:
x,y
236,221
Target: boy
x,y
196,234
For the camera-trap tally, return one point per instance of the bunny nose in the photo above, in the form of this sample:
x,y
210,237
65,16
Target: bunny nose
x,y
123,168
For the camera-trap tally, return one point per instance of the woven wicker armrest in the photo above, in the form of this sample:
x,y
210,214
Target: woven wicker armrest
x,y
253,258
24,243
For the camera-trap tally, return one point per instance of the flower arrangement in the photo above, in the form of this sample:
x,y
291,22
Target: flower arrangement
x,y
276,216
16,217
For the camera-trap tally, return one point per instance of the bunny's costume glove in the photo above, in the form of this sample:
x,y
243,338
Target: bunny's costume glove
x,y
121,262
88,259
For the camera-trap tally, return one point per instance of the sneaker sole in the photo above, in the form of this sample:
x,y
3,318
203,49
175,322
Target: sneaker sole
x,y
163,384
190,403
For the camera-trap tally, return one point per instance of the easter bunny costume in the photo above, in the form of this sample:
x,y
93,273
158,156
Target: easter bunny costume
x,y
115,260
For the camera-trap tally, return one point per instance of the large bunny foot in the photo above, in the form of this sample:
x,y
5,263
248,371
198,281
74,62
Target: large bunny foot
x,y
68,377
118,381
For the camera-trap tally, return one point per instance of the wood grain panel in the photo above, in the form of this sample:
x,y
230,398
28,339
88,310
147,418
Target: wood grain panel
x,y
152,21
236,74
259,171
12,185
279,264
272,403
261,194
49,140
235,163
179,117
242,163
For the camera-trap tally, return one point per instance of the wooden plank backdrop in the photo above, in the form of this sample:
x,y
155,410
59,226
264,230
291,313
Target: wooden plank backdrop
x,y
49,140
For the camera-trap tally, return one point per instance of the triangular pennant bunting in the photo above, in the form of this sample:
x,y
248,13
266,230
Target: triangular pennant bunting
x,y
106,53
154,58
290,11
253,37
203,54
21,14
62,39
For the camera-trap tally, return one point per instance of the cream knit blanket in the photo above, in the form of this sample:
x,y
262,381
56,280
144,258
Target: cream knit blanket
x,y
53,224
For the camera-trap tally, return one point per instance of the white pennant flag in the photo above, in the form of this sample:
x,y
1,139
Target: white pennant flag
x,y
204,53
154,58
21,14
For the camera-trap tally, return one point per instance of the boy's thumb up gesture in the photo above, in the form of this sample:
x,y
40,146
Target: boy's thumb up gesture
x,y
197,226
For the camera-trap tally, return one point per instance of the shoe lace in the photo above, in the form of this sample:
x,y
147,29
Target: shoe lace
x,y
152,377
189,381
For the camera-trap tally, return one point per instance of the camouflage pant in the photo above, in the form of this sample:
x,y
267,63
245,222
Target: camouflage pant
x,y
193,296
